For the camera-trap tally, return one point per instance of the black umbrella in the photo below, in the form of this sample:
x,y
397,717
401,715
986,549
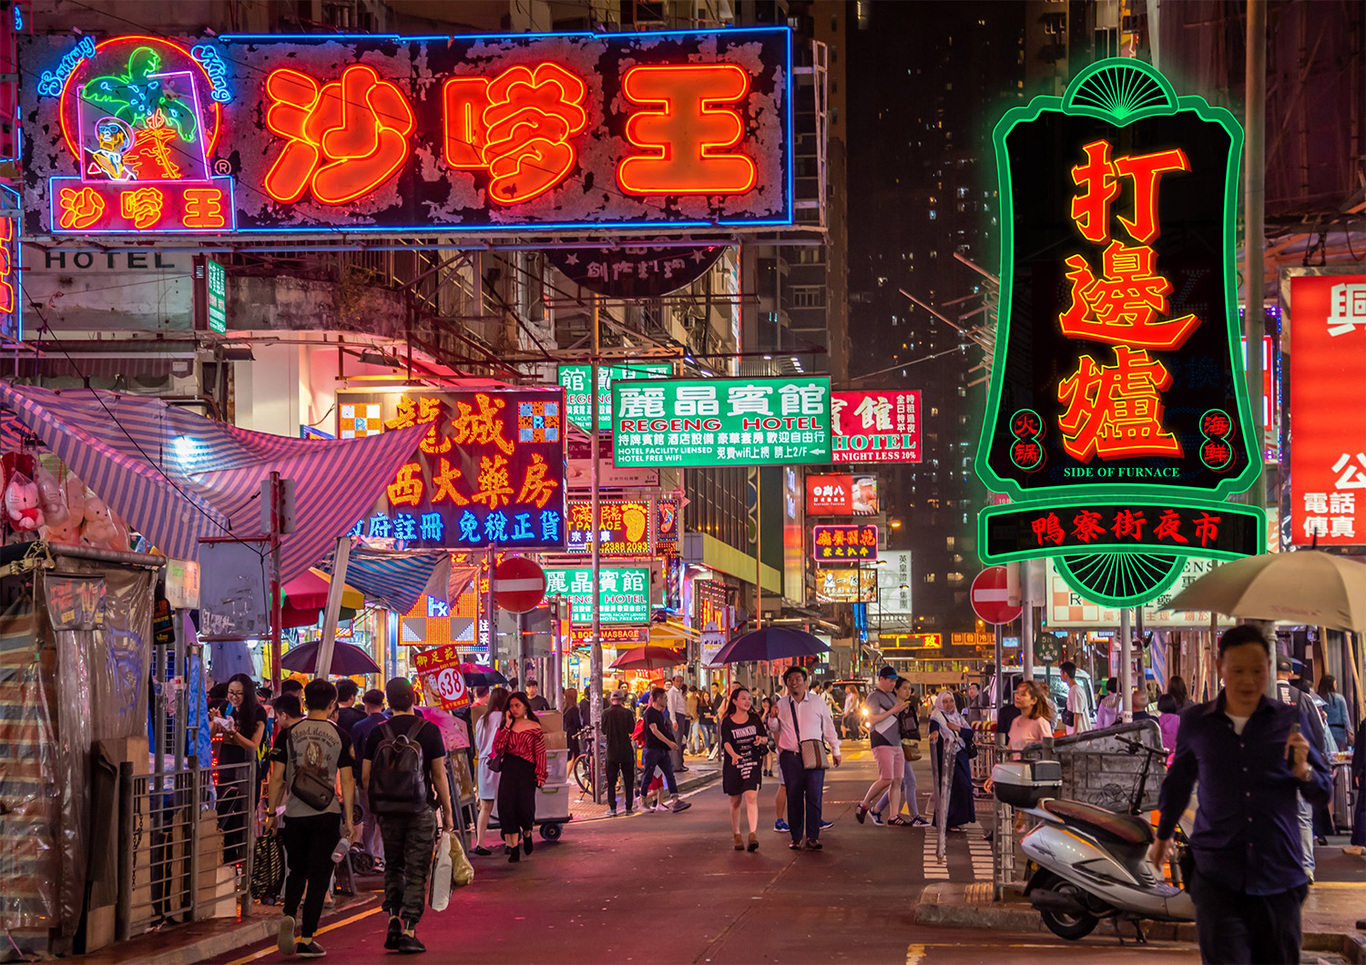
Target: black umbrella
x,y
347,659
477,676
770,643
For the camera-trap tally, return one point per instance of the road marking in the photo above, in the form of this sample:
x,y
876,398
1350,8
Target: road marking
x,y
321,931
915,954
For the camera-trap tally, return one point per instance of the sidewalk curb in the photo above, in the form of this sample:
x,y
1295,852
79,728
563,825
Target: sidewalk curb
x,y
954,905
252,931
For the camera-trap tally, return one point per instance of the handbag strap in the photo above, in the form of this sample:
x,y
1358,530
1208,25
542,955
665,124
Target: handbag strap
x,y
796,727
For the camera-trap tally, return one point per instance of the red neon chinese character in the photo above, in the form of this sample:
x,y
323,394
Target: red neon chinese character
x,y
204,208
142,206
1169,527
81,207
1207,528
1048,528
444,481
1098,178
344,139
688,134
536,488
1119,308
406,489
7,299
1115,411
1086,526
517,127
1129,523
1091,208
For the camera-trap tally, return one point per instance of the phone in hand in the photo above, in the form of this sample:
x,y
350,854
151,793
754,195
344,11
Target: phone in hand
x,y
1290,751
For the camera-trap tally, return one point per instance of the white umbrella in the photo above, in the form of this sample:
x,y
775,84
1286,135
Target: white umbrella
x,y
1308,587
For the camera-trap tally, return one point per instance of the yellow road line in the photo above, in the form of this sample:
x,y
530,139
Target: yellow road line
x,y
321,931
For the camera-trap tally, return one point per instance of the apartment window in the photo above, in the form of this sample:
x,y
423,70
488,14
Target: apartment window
x,y
811,296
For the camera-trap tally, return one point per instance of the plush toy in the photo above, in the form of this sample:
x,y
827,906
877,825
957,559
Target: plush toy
x,y
21,503
123,533
75,499
68,532
51,498
99,530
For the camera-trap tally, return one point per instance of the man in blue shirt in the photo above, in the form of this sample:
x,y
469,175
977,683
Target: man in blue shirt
x,y
1251,758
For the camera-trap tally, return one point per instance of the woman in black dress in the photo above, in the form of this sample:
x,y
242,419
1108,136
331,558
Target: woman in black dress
x,y
744,742
242,730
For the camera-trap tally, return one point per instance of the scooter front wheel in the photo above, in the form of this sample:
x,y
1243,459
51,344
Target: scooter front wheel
x,y
1068,925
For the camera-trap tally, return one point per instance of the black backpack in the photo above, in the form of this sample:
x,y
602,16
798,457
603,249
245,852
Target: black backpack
x,y
397,782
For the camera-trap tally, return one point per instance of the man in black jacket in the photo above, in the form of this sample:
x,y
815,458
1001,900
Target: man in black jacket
x,y
617,725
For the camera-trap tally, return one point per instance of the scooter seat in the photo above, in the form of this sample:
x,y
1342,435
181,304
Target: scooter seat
x,y
1123,828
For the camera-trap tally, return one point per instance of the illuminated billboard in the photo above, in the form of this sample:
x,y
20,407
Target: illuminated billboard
x,y
623,592
623,527
830,494
879,426
1328,410
845,585
1118,372
489,472
248,134
721,422
846,543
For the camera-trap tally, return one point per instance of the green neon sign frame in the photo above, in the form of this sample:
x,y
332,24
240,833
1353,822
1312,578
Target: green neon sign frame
x,y
1120,91
1078,100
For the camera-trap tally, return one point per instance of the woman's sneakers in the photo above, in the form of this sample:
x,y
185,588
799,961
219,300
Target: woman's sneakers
x,y
410,945
860,813
393,935
309,949
285,937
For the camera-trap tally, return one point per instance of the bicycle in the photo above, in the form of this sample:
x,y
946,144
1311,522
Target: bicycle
x,y
581,767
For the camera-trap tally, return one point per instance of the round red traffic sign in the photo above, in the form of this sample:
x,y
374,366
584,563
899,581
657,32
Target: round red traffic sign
x,y
990,596
518,584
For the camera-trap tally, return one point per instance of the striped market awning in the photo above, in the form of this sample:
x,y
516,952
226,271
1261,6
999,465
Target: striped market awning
x,y
178,477
396,579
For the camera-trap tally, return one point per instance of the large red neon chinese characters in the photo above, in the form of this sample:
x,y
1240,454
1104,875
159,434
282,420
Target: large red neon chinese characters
x,y
343,139
689,131
1115,411
517,126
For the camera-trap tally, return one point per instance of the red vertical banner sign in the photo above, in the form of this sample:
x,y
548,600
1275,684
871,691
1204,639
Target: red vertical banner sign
x,y
1328,410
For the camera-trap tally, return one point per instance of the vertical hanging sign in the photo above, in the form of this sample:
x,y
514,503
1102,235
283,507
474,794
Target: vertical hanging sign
x,y
1118,418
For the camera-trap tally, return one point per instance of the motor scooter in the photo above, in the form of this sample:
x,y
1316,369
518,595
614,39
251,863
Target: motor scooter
x,y
1089,862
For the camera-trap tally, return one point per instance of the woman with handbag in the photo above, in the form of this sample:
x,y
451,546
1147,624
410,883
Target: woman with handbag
x,y
744,742
484,732
951,739
909,725
519,746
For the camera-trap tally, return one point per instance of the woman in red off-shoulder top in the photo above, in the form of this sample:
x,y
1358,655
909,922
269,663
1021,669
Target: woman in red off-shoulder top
x,y
521,744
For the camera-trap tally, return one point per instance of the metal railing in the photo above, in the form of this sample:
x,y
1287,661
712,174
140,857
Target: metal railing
x,y
1107,767
185,845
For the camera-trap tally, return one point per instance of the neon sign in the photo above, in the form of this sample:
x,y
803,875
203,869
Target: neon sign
x,y
1118,348
393,134
138,117
342,139
490,471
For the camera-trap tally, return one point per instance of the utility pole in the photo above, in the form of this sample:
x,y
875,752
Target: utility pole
x,y
595,660
276,603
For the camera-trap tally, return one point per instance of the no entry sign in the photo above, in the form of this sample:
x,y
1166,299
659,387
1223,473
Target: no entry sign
x,y
990,597
518,584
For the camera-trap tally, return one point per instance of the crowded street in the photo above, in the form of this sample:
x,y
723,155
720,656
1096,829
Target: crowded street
x,y
697,481
668,888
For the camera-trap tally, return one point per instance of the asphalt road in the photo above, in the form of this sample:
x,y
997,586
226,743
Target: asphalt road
x,y
670,888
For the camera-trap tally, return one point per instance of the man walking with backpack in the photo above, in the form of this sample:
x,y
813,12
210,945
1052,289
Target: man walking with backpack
x,y
404,774
307,760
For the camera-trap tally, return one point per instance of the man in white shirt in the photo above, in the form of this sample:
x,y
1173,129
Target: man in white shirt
x,y
1077,716
804,716
678,716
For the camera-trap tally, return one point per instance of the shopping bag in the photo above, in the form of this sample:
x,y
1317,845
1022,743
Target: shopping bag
x,y
462,872
267,867
440,885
